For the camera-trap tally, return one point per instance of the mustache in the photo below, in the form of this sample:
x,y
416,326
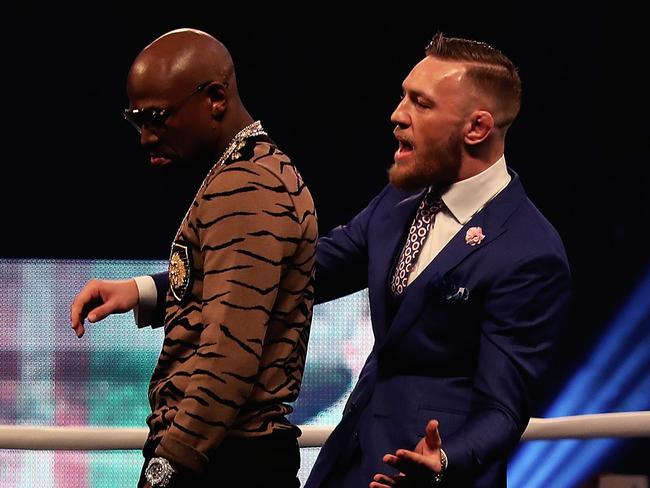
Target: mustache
x,y
399,135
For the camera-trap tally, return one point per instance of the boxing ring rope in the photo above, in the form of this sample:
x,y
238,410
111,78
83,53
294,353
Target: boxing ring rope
x,y
627,424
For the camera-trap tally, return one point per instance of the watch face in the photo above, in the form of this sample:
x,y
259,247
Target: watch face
x,y
155,472
158,472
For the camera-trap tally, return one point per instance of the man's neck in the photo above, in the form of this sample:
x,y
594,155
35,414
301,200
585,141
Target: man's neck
x,y
232,128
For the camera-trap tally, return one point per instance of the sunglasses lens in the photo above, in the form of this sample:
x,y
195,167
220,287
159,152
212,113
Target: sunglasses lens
x,y
139,117
134,117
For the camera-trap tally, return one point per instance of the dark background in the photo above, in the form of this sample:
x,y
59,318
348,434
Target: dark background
x,y
324,80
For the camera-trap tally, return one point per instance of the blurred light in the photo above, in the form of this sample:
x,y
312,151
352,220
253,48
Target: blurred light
x,y
616,378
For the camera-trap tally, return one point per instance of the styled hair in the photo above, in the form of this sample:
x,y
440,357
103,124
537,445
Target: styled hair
x,y
488,68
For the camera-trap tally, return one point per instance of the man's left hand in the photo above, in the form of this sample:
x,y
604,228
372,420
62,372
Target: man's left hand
x,y
415,467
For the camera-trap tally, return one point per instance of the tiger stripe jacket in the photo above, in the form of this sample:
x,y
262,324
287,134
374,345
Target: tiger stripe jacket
x,y
235,343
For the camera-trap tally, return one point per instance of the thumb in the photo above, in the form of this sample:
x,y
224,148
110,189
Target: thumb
x,y
432,437
101,312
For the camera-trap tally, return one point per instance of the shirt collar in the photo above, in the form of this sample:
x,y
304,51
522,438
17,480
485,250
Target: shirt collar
x,y
465,198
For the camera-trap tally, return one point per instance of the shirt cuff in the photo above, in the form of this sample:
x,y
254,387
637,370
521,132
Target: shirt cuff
x,y
146,306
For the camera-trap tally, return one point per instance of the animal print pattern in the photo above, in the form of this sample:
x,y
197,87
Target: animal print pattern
x,y
235,346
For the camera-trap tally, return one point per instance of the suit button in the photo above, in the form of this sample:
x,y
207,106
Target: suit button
x,y
356,435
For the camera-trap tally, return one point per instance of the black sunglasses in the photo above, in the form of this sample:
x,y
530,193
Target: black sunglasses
x,y
156,117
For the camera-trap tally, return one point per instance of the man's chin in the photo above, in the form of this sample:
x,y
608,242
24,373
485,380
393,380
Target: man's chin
x,y
405,180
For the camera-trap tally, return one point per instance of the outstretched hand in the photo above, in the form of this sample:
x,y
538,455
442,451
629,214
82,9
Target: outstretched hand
x,y
101,298
415,467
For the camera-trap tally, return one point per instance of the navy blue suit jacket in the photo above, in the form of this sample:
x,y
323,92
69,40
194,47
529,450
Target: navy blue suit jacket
x,y
466,345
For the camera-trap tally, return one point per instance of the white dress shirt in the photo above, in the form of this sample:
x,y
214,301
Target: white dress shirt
x,y
462,200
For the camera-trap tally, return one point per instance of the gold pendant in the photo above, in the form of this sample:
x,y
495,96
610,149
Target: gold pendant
x,y
180,270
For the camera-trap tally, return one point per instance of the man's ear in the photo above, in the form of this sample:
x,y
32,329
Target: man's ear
x,y
218,95
479,127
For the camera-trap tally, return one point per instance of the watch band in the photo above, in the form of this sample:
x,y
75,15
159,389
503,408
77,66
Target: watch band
x,y
438,477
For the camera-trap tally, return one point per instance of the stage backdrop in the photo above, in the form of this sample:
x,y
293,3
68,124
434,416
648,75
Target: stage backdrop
x,y
49,377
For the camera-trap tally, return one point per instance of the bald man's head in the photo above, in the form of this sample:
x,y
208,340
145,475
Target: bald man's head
x,y
183,97
182,59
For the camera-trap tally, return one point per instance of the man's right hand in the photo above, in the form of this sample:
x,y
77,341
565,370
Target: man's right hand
x,y
101,298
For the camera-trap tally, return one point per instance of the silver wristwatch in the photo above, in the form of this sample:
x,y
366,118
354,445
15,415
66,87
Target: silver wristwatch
x,y
159,472
437,477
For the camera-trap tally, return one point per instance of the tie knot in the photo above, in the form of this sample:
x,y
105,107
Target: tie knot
x,y
431,204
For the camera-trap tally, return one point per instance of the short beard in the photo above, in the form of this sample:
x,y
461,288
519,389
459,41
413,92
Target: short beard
x,y
440,170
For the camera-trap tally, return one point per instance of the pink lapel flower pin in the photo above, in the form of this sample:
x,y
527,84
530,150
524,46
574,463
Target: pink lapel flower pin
x,y
474,236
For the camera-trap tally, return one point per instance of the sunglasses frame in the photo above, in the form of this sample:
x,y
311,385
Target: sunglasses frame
x,y
156,117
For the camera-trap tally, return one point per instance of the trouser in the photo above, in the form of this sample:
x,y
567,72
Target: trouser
x,y
270,461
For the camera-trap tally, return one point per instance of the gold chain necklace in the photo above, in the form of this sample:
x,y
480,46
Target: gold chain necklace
x,y
232,151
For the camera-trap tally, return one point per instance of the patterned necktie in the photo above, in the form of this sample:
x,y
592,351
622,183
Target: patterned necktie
x,y
418,233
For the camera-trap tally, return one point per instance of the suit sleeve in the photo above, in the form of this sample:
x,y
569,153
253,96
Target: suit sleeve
x,y
524,310
342,256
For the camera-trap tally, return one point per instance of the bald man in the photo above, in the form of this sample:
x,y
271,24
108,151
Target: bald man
x,y
238,295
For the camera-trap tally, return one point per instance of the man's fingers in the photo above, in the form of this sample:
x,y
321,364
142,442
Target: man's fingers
x,y
88,304
384,478
404,461
432,437
79,330
76,309
101,312
77,314
390,459
412,462
87,299
381,481
410,457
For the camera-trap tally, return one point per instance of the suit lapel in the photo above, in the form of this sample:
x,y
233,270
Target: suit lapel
x,y
492,219
392,232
